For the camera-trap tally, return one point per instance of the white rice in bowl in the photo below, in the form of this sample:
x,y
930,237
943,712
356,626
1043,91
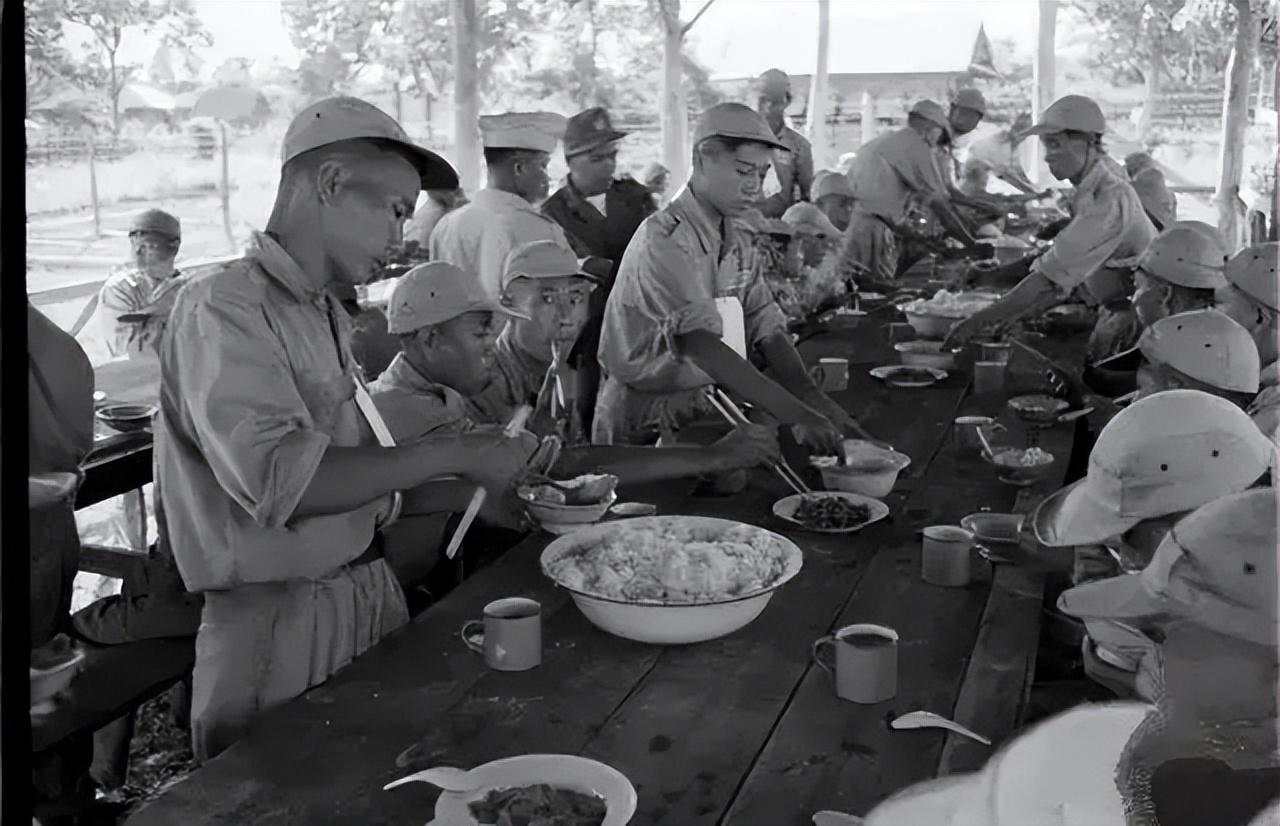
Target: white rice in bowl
x,y
675,563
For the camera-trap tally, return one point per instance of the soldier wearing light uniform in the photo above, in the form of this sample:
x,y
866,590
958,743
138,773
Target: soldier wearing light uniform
x,y
832,194
451,373
272,483
1180,271
1252,298
1163,456
1107,223
793,162
1197,350
478,237
687,310
1204,751
889,174
134,302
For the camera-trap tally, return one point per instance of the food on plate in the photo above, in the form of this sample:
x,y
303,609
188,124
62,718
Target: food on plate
x,y
540,805
913,375
1014,457
950,305
830,513
675,563
591,489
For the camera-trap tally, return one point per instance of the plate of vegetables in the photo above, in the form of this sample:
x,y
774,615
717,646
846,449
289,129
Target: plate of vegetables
x,y
830,511
540,790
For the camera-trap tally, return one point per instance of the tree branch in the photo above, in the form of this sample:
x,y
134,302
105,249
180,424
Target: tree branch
x,y
685,28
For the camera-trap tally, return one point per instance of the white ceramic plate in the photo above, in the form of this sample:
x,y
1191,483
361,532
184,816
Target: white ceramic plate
x,y
893,374
565,771
785,509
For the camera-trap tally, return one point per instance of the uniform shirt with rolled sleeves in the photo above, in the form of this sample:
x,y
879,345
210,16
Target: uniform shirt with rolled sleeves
x,y
413,406
793,168
256,384
133,291
478,237
890,169
1107,222
1265,408
679,262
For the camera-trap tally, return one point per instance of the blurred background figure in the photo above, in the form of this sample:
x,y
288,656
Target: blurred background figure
x,y
433,204
657,178
1160,204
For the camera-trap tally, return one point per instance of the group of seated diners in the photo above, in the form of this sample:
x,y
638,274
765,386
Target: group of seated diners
x,y
295,483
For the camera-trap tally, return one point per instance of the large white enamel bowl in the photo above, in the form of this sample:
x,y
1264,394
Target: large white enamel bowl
x,y
665,623
565,771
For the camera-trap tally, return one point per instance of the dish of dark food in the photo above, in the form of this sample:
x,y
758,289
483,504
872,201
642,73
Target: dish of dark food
x,y
126,418
900,375
539,805
830,513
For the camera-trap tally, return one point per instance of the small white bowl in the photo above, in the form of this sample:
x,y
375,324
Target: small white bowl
x,y
931,326
564,771
868,470
925,354
562,519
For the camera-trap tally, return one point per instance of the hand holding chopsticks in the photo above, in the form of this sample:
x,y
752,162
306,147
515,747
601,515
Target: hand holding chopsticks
x,y
477,499
734,415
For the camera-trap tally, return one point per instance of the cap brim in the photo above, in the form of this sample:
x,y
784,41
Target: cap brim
x,y
608,138
1043,129
434,172
503,309
1120,597
1072,516
1126,362
753,137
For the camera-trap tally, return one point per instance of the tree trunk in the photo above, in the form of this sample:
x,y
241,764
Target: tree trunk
x,y
115,96
819,136
397,102
1235,121
1150,99
1043,76
868,117
674,109
466,101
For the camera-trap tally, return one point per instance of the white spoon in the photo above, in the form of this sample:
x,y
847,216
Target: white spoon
x,y
826,818
927,719
446,777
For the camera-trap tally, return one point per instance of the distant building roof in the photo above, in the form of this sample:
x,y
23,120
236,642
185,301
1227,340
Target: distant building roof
x,y
144,96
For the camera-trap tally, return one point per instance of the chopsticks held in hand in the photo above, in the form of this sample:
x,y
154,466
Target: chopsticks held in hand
x,y
734,415
477,499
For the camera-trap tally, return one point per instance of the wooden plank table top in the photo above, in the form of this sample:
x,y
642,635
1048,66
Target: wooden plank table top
x,y
120,462
740,730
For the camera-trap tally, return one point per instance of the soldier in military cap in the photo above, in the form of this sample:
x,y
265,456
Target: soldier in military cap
x,y
890,175
134,301
273,485
479,236
793,163
688,312
599,213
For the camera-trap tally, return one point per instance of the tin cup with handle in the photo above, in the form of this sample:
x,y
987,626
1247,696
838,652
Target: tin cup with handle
x,y
864,663
831,374
988,377
509,636
967,439
944,557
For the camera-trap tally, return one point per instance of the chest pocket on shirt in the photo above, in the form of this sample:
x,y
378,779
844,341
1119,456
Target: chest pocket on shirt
x,y
326,393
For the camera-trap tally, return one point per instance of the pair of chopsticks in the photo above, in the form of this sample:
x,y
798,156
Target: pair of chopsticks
x,y
477,499
734,415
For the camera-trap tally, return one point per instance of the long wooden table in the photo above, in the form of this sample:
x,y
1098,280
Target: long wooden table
x,y
741,730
